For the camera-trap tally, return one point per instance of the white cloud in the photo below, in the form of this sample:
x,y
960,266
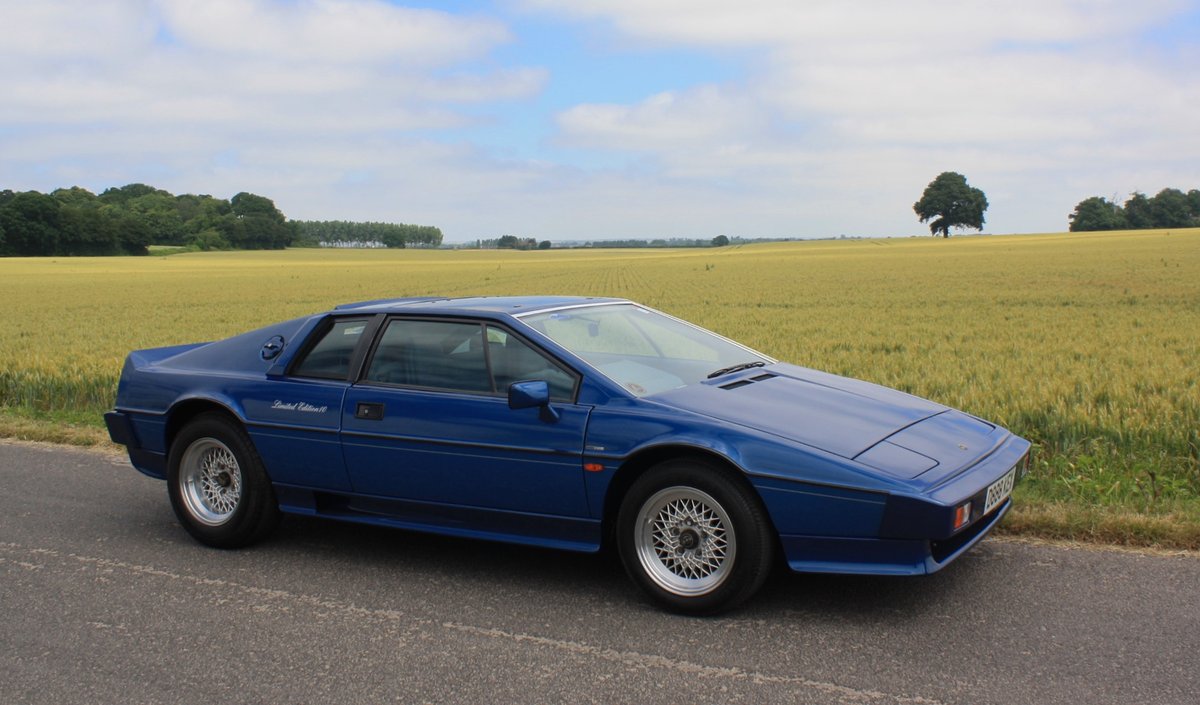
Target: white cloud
x,y
866,27
330,31
697,117
62,30
251,64
839,114
191,95
1049,100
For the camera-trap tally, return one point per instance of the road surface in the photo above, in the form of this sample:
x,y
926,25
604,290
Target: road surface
x,y
104,599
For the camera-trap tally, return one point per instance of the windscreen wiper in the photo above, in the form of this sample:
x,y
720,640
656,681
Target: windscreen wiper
x,y
736,368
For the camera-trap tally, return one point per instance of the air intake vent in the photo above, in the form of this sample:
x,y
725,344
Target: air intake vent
x,y
739,383
751,380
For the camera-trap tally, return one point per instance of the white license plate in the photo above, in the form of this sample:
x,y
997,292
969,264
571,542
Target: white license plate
x,y
999,491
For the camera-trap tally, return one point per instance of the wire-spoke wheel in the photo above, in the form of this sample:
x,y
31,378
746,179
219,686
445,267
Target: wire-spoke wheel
x,y
218,486
211,481
685,541
694,536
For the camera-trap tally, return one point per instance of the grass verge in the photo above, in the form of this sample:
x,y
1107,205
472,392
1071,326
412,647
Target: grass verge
x,y
63,429
1112,526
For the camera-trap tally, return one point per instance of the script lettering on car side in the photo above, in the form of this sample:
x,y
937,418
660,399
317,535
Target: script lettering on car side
x,y
299,406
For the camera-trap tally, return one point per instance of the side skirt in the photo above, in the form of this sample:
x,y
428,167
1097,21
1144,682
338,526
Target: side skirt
x,y
546,531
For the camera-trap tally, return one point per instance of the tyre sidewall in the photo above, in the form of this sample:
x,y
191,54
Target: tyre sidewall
x,y
751,560
257,506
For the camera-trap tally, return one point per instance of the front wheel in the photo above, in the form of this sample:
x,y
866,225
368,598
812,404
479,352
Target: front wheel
x,y
694,538
218,487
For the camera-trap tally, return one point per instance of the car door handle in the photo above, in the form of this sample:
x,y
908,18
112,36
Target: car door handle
x,y
368,411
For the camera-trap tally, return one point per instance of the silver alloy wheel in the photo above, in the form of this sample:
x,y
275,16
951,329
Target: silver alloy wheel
x,y
210,481
685,541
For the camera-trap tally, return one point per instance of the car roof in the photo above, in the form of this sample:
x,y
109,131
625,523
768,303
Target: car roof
x,y
511,305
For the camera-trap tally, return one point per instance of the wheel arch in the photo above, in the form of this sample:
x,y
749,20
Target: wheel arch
x,y
183,411
640,462
256,508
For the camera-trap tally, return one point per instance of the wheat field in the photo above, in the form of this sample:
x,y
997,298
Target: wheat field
x,y
1088,344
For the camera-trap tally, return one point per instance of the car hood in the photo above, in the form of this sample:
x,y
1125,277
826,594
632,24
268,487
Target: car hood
x,y
836,414
935,448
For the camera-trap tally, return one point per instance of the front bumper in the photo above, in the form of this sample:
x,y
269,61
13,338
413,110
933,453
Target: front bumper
x,y
915,533
880,556
930,515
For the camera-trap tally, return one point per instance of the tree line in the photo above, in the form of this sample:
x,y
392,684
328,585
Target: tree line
x,y
315,233
512,242
128,219
1169,208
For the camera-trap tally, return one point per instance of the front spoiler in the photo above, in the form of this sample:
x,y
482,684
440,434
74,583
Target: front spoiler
x,y
871,556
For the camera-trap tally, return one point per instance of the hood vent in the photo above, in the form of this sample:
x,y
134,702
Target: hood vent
x,y
751,380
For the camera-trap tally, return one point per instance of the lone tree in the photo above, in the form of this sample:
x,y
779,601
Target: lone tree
x,y
951,203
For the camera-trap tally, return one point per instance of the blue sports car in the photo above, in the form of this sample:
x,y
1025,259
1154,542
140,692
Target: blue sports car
x,y
570,423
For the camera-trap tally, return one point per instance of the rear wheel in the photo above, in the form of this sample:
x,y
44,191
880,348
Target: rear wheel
x,y
694,538
218,487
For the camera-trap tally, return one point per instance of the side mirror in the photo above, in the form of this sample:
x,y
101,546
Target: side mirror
x,y
530,395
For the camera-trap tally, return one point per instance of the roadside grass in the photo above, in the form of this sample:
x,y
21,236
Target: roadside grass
x,y
1088,344
1035,517
66,429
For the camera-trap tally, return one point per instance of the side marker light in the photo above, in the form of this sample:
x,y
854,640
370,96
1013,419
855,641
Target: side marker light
x,y
962,515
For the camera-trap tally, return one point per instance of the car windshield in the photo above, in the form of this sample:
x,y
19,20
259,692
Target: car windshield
x,y
642,350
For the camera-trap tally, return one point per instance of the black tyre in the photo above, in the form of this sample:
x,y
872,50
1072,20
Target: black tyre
x,y
694,537
218,487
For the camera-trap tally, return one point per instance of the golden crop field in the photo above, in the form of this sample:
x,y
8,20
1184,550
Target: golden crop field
x,y
1086,343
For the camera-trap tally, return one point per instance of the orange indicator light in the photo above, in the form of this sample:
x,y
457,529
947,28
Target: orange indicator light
x,y
962,515
593,467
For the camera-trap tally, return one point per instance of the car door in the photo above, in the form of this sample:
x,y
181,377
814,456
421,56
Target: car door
x,y
294,419
429,421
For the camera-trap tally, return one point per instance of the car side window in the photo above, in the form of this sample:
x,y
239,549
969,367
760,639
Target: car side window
x,y
330,357
432,354
513,360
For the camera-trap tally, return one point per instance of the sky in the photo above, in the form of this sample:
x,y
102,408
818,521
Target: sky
x,y
592,119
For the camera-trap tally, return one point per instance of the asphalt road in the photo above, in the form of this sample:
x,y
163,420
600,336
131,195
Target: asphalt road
x,y
104,599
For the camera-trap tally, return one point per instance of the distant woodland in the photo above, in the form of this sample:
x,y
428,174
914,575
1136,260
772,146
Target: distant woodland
x,y
1169,208
129,219
341,233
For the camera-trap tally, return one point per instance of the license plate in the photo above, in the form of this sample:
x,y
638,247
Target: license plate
x,y
999,491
